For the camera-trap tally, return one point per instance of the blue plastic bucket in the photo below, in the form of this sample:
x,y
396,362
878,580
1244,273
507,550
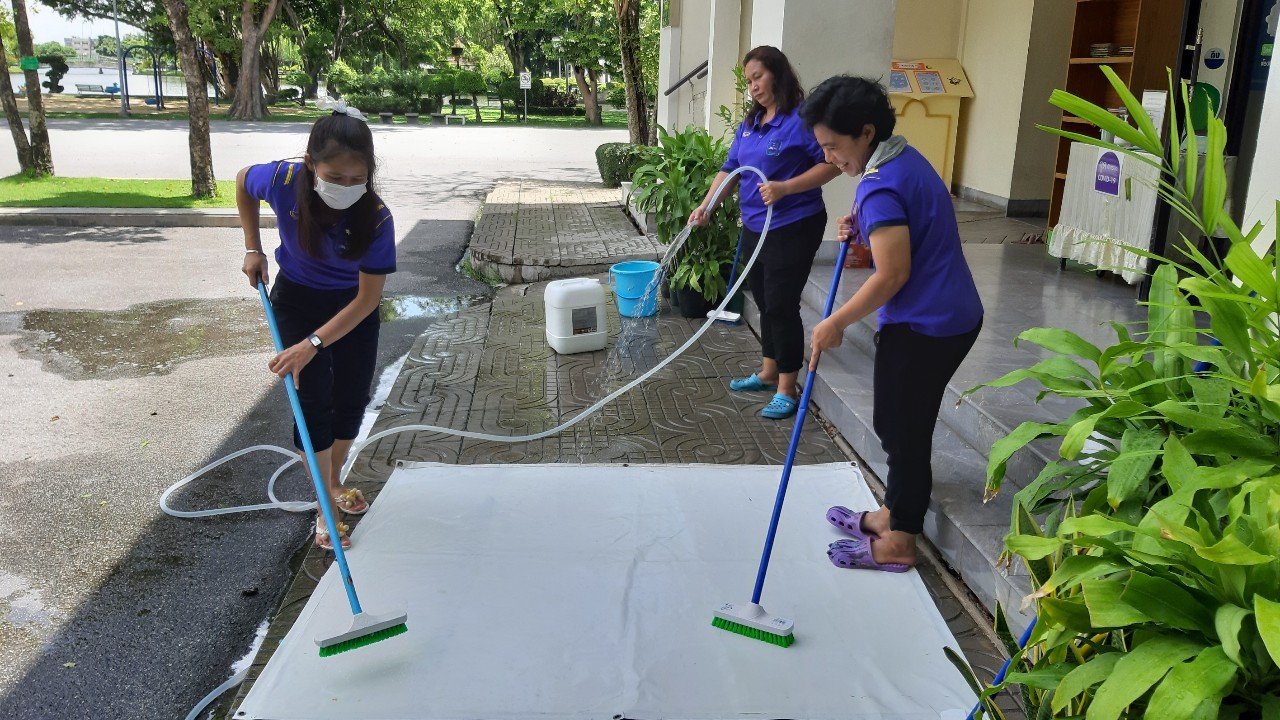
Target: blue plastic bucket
x,y
635,285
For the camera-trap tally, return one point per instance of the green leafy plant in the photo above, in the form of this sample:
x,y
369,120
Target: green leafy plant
x,y
733,116
674,178
1153,542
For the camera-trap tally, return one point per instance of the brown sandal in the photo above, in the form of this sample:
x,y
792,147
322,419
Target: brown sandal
x,y
351,501
324,542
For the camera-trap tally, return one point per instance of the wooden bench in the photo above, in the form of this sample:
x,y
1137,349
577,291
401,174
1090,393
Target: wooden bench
x,y
96,90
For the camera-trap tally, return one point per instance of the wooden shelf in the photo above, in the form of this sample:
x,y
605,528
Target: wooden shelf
x,y
1073,120
1059,176
1111,60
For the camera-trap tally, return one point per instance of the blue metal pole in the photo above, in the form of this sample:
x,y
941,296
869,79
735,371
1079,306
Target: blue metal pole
x,y
801,412
317,479
1004,669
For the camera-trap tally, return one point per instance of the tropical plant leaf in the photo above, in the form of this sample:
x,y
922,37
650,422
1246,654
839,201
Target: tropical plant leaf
x,y
1227,621
1061,341
1106,608
1082,678
1168,603
1190,687
1268,616
1136,673
1005,447
1139,448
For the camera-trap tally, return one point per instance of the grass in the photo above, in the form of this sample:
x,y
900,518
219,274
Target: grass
x,y
22,191
72,107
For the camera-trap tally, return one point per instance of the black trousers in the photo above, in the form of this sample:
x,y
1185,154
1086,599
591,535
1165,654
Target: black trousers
x,y
777,281
911,374
334,387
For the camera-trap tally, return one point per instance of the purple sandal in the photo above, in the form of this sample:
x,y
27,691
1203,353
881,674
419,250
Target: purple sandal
x,y
856,554
850,522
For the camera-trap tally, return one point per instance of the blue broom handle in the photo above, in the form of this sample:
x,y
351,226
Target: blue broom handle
x,y
1004,669
316,478
801,412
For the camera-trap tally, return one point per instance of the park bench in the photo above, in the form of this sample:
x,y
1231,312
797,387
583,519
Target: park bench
x,y
96,90
460,118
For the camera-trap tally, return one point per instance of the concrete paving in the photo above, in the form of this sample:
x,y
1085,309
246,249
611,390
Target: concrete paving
x,y
132,356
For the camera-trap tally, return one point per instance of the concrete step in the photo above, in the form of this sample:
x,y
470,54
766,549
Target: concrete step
x,y
981,419
968,533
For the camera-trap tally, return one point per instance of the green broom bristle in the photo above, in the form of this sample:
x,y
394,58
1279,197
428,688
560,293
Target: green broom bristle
x,y
774,638
364,640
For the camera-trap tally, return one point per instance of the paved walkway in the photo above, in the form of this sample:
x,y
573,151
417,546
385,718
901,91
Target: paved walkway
x,y
536,230
488,369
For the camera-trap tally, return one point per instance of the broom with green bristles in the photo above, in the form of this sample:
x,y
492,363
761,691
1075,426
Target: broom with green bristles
x,y
750,619
366,628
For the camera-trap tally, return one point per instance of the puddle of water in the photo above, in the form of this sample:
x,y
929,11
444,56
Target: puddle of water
x,y
154,338
416,307
146,339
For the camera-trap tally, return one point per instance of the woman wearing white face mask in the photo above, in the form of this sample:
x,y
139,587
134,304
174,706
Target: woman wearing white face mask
x,y
337,245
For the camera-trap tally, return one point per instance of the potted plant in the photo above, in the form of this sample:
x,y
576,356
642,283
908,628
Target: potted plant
x,y
672,181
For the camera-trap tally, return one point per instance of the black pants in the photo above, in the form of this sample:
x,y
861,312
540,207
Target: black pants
x,y
334,386
911,374
777,280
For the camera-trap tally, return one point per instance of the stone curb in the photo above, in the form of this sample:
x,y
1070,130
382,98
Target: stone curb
x,y
125,217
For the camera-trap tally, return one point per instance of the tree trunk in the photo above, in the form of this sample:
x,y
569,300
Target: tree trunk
x,y
248,102
41,152
589,101
11,113
202,181
628,12
511,40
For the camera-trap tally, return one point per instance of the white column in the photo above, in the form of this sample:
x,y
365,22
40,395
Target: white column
x,y
723,56
823,38
1264,178
668,73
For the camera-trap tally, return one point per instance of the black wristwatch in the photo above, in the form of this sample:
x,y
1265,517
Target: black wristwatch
x,y
315,341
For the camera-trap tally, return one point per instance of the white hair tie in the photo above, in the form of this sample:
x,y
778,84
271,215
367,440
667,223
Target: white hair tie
x,y
340,107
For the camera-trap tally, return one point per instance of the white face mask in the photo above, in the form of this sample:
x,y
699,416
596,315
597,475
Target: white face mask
x,y
339,197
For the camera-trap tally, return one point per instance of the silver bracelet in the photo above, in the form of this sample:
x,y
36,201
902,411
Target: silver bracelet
x,y
246,252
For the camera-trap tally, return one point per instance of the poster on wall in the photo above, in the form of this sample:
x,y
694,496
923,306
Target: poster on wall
x,y
1106,179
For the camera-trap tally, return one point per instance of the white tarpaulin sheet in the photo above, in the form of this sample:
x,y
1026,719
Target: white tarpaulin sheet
x,y
569,591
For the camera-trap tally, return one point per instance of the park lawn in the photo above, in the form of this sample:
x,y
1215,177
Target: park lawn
x,y
21,191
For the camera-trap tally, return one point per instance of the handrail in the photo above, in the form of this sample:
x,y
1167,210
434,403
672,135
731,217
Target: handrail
x,y
699,71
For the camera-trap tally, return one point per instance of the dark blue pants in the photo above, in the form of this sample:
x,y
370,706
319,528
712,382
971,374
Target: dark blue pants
x,y
334,387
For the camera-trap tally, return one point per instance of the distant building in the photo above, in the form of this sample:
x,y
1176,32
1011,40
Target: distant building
x,y
83,47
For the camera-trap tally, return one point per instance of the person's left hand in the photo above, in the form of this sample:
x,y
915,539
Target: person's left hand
x,y
826,335
773,191
292,360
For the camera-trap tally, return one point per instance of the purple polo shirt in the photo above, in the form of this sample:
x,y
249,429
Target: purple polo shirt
x,y
275,183
782,148
940,298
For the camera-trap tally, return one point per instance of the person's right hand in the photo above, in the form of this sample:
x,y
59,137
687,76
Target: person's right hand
x,y
844,228
699,217
255,268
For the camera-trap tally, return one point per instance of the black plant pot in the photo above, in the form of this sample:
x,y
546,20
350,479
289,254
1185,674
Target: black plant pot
x,y
691,303
665,289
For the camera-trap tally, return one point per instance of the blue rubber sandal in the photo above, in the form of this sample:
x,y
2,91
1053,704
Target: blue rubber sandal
x,y
750,384
780,407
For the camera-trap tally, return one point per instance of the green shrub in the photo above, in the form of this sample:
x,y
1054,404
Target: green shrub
x,y
617,95
1155,553
618,162
341,76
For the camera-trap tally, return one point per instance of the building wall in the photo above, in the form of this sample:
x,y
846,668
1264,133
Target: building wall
x,y
928,29
1264,180
685,46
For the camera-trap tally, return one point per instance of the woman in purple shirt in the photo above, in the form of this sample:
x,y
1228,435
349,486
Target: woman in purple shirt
x,y
929,310
337,246
775,140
